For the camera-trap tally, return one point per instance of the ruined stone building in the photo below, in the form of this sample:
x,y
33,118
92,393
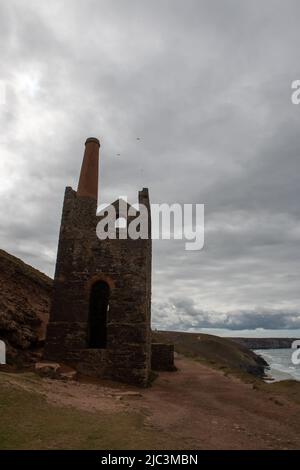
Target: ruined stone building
x,y
100,320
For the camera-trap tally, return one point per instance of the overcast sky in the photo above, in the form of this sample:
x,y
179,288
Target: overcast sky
x,y
206,85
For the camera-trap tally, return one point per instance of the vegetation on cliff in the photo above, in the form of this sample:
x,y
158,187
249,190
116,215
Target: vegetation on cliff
x,y
217,352
24,306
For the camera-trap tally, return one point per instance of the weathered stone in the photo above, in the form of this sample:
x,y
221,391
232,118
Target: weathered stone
x,y
54,370
129,394
69,375
120,267
47,369
162,357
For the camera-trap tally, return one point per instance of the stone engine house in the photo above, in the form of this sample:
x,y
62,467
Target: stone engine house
x,y
100,320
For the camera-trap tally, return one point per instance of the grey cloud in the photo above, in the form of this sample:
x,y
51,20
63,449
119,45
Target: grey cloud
x,y
192,318
206,85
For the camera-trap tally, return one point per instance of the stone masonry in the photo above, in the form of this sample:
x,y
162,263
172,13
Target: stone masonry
x,y
101,310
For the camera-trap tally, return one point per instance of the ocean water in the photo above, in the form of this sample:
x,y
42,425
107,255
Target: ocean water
x,y
280,362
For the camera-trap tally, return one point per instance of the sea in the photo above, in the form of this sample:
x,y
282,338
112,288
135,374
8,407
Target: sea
x,y
279,360
281,366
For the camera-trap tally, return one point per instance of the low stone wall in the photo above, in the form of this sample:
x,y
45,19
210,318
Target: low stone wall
x,y
162,357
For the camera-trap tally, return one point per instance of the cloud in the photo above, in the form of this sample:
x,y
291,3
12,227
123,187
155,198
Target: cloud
x,y
192,318
206,85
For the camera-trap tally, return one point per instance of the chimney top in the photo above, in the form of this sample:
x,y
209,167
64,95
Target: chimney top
x,y
88,180
92,139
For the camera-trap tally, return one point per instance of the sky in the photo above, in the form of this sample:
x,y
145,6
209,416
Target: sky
x,y
206,86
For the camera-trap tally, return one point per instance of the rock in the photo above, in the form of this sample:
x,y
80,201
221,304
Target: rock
x,y
129,394
70,375
54,370
24,308
47,369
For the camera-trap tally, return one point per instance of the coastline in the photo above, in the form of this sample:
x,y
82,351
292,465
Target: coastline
x,y
280,366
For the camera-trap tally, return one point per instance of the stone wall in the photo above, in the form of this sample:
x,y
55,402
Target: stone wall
x,y
162,357
125,265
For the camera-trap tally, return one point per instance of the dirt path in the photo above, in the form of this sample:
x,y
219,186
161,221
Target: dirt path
x,y
212,411
196,407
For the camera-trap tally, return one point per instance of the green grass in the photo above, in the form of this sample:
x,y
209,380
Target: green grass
x,y
27,421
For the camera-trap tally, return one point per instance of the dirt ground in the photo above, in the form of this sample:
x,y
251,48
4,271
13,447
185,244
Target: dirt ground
x,y
196,407
213,411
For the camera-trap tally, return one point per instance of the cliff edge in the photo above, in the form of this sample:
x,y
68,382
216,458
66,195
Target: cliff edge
x,y
25,295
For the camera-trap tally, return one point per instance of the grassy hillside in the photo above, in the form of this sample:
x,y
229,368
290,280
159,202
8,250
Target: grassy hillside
x,y
19,268
215,351
24,305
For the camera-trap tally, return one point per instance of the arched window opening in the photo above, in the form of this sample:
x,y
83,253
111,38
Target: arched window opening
x,y
99,299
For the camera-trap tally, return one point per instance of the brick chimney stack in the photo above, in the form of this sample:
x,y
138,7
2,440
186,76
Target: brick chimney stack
x,y
88,180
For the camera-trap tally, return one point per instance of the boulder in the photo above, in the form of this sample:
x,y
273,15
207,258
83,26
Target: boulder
x,y
47,369
54,370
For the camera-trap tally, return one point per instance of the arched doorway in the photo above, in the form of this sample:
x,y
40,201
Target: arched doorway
x,y
99,299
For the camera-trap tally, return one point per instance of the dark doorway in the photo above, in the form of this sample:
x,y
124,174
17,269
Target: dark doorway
x,y
98,315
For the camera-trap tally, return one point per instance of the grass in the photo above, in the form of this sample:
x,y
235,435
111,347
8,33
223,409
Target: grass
x,y
217,352
29,422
